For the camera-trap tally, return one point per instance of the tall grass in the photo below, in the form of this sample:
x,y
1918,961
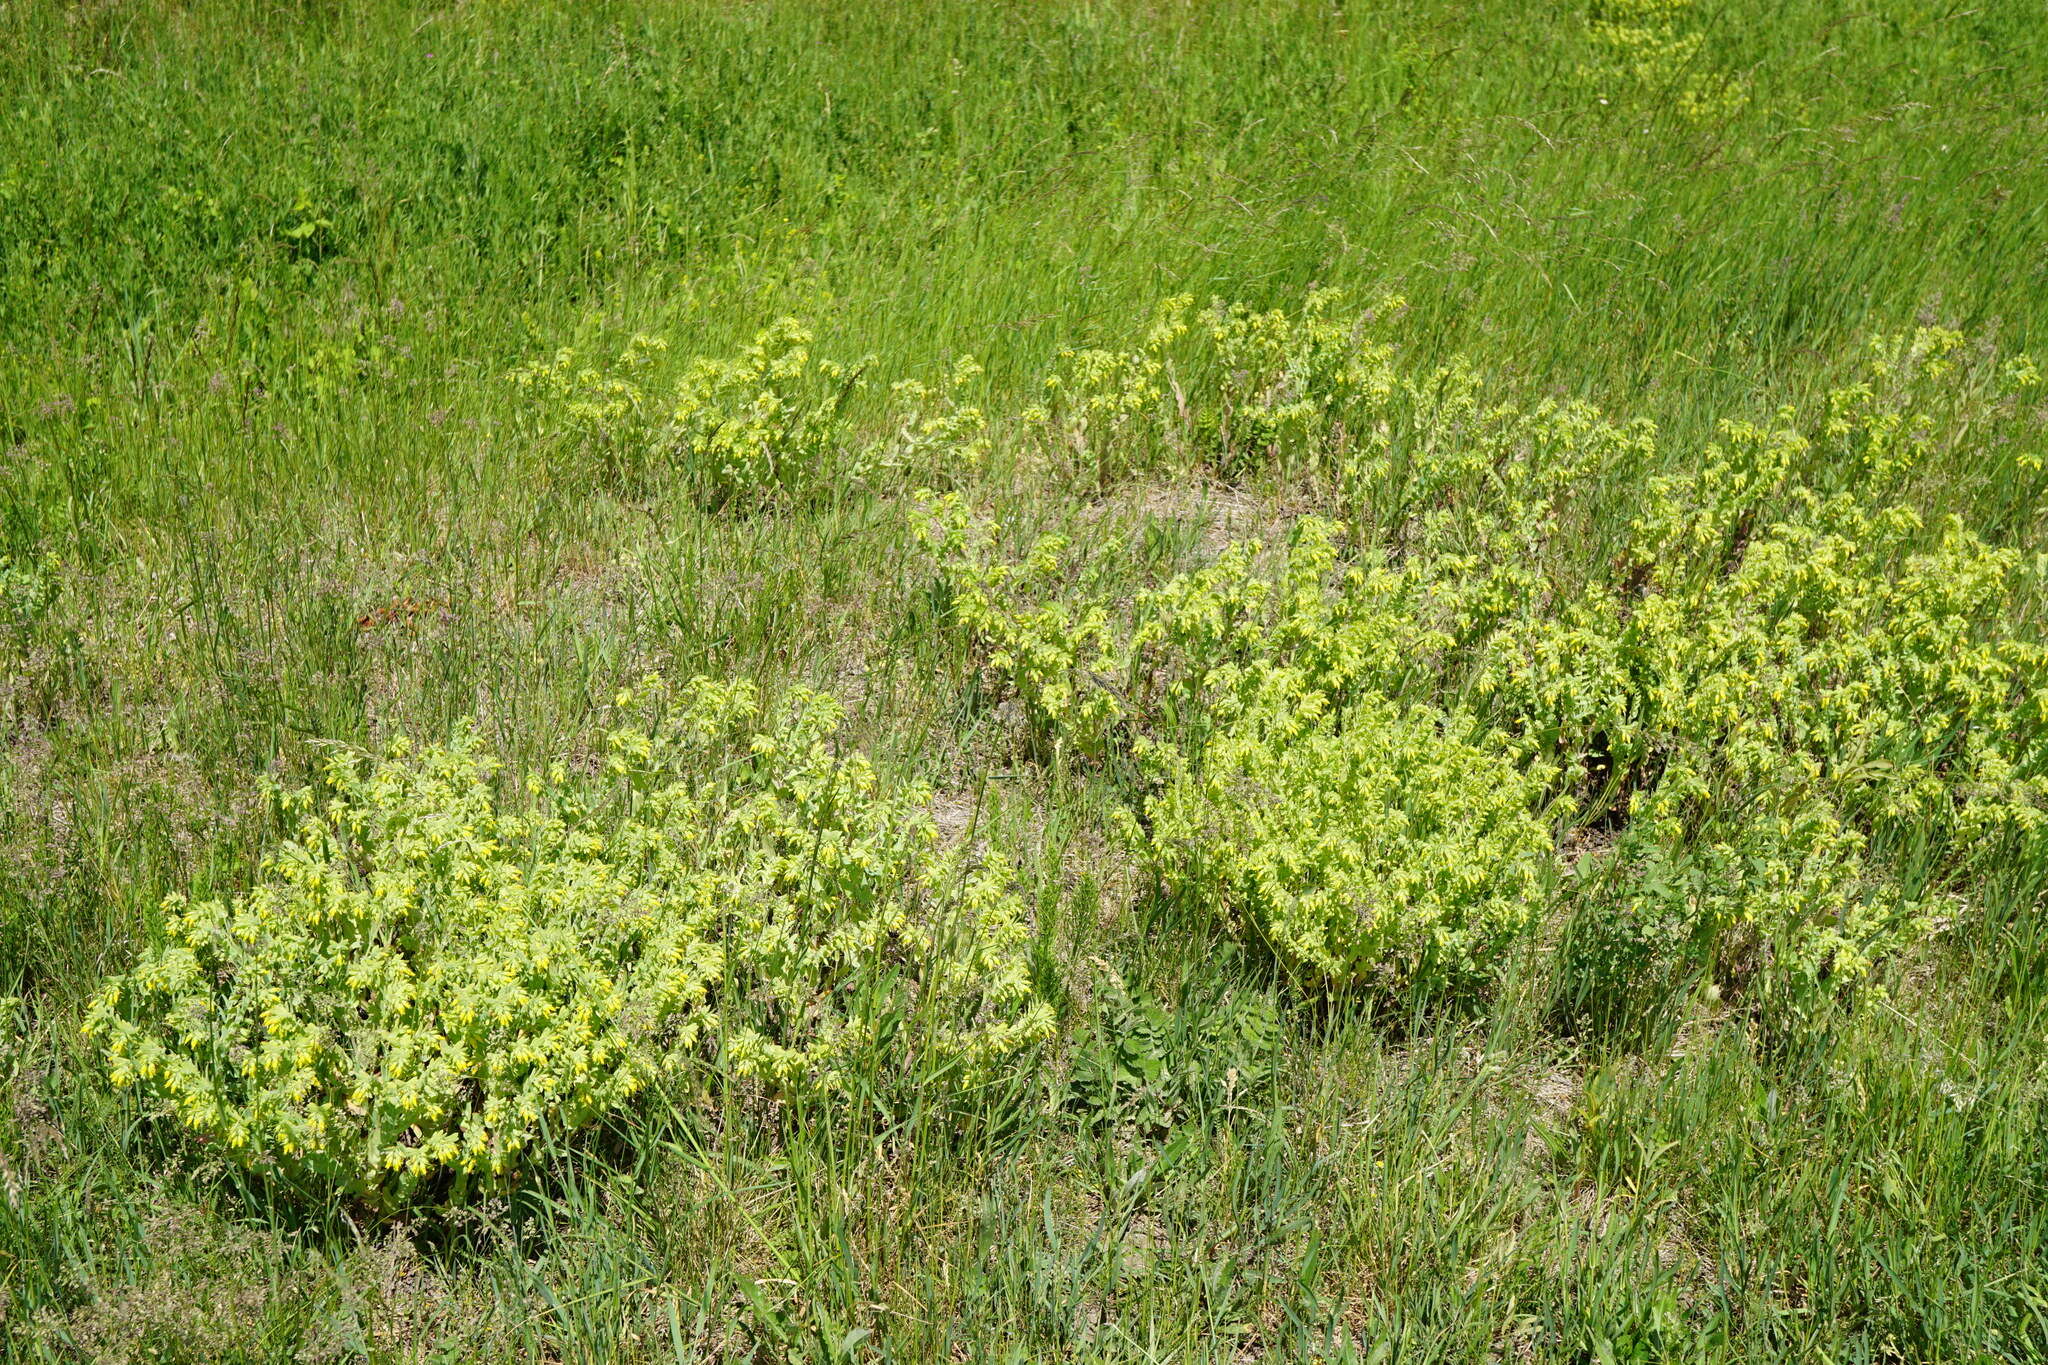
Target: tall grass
x,y
263,271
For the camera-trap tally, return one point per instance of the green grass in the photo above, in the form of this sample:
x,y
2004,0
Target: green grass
x,y
263,269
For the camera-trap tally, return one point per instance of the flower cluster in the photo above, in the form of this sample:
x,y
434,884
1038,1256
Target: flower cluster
x,y
1233,388
605,408
1105,411
934,432
1782,676
1295,392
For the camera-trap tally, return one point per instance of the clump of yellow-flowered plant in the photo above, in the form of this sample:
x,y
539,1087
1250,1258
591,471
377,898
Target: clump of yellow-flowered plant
x,y
737,430
428,981
1654,50
1365,841
1799,699
1233,388
742,431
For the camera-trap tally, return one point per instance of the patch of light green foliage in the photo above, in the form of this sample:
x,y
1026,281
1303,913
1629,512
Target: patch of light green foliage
x,y
1783,661
427,980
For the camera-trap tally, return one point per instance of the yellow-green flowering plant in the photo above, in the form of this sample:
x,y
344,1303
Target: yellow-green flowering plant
x,y
740,429
1362,840
1372,845
426,982
1107,413
604,408
856,941
766,421
1065,662
1770,669
934,431
1653,50
419,982
1297,392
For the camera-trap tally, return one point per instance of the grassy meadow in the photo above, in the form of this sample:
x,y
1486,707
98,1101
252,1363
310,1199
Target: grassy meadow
x,y
1374,681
